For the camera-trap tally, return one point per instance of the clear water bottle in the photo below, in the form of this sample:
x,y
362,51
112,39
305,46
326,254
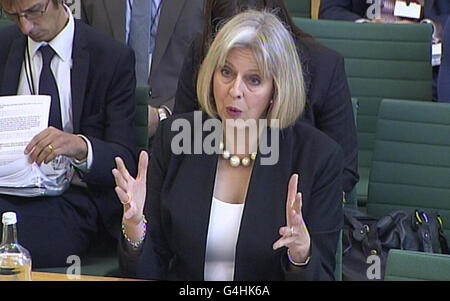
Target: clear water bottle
x,y
15,260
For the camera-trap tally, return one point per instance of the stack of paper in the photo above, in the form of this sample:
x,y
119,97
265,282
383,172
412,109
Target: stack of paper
x,y
21,118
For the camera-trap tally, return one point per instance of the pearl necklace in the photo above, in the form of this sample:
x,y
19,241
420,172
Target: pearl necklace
x,y
235,161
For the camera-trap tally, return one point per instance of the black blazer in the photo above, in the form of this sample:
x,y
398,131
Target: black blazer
x,y
328,108
351,10
179,195
103,104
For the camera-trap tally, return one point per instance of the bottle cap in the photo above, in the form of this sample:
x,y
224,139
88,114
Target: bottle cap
x,y
9,218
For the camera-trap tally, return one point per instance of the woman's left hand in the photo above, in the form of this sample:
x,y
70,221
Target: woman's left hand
x,y
294,235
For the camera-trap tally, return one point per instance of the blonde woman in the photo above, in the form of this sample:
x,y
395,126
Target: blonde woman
x,y
328,102
228,215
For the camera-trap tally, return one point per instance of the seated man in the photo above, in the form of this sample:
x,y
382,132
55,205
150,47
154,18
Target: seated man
x,y
91,81
168,25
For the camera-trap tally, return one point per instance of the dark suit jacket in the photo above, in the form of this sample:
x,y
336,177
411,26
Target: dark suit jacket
x,y
444,73
351,10
179,21
328,108
103,104
179,195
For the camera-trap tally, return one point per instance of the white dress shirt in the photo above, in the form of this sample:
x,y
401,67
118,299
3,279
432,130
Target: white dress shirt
x,y
223,232
61,66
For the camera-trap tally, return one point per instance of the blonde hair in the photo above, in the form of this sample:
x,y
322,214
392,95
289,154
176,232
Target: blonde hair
x,y
276,55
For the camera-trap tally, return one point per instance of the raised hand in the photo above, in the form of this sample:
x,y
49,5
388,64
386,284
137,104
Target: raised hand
x,y
294,235
132,191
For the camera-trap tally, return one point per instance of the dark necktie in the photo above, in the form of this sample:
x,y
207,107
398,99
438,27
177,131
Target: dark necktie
x,y
139,38
48,86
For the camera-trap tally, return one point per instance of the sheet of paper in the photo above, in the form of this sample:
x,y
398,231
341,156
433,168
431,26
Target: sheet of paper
x,y
412,11
21,118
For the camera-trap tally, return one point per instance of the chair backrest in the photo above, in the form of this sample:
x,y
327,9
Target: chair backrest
x,y
381,61
299,8
443,86
413,266
366,125
411,161
142,101
5,22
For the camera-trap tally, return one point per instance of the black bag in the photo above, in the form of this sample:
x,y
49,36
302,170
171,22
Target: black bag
x,y
364,236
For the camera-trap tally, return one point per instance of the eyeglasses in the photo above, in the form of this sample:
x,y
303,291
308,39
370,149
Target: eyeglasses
x,y
31,14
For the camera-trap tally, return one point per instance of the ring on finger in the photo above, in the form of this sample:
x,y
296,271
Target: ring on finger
x,y
292,231
51,148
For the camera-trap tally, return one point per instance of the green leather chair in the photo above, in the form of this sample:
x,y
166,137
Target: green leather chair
x,y
381,61
411,160
4,21
417,266
142,101
299,8
102,258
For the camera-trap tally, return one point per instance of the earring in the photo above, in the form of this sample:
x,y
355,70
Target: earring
x,y
270,106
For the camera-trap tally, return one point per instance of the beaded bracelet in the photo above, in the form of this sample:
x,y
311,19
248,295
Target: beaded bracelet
x,y
137,244
296,263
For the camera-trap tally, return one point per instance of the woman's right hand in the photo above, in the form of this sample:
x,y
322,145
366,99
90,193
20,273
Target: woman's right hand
x,y
131,191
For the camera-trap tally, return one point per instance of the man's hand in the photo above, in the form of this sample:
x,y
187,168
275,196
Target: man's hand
x,y
52,142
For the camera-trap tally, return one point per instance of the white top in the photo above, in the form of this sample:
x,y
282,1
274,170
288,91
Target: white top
x,y
223,231
61,66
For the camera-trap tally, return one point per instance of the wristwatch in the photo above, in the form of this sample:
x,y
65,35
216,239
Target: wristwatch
x,y
162,114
